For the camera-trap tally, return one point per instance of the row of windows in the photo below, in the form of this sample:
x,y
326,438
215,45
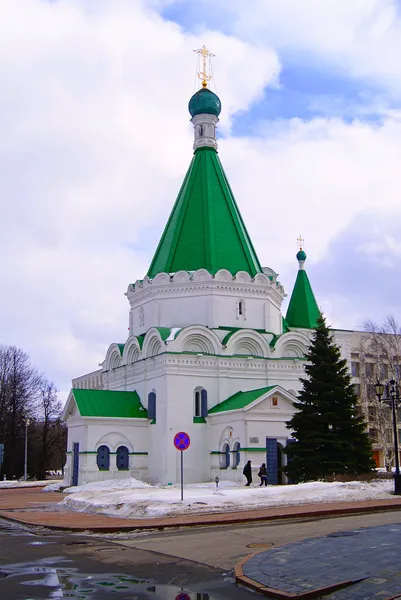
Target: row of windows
x,y
103,458
372,370
225,459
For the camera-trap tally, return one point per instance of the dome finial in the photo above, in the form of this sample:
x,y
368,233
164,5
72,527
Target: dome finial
x,y
300,241
301,255
205,74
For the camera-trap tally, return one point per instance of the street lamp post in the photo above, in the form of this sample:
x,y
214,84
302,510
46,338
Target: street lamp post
x,y
26,450
393,399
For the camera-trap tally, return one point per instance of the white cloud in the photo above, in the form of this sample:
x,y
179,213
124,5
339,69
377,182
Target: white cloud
x,y
358,37
95,141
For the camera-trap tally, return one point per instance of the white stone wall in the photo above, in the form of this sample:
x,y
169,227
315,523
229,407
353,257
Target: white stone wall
x,y
183,299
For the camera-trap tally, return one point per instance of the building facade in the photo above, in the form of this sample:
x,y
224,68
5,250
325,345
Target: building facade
x,y
209,351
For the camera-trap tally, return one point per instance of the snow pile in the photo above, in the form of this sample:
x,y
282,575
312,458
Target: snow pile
x,y
131,498
18,484
128,483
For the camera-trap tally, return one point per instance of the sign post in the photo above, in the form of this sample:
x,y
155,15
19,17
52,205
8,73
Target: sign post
x,y
182,442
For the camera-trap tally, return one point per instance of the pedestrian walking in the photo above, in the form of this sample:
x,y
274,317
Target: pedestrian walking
x,y
263,474
248,473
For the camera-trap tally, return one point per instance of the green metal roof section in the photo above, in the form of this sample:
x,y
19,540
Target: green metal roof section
x,y
164,332
121,348
303,310
106,403
205,228
240,400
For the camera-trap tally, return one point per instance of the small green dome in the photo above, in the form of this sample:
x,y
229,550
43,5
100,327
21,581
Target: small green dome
x,y
301,255
204,102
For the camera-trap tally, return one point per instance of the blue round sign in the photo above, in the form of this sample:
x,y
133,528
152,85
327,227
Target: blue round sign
x,y
182,440
182,596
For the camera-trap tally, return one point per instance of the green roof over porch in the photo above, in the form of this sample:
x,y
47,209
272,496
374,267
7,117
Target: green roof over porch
x,y
106,403
240,400
205,228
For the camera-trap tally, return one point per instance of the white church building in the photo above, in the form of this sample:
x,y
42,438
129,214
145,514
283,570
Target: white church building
x,y
209,352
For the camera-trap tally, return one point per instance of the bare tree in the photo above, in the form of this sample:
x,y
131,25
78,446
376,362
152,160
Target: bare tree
x,y
380,359
19,387
47,413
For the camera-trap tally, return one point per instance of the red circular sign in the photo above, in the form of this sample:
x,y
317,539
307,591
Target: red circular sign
x,y
182,441
182,596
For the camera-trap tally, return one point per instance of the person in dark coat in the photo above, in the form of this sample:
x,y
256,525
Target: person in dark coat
x,y
248,473
263,474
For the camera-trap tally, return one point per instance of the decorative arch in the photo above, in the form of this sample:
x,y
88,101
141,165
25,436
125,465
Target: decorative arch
x,y
161,279
243,277
132,351
223,275
198,339
262,279
113,357
201,275
249,343
152,344
181,277
293,344
113,440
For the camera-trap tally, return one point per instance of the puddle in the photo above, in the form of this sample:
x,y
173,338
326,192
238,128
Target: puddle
x,y
66,582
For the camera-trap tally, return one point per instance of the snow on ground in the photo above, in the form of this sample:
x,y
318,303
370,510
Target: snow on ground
x,y
132,498
17,484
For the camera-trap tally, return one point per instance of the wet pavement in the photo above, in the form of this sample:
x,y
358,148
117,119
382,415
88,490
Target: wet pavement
x,y
362,563
38,564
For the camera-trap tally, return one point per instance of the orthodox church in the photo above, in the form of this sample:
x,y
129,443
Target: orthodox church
x,y
209,352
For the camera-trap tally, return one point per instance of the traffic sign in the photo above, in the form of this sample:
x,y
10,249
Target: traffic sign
x,y
182,596
182,441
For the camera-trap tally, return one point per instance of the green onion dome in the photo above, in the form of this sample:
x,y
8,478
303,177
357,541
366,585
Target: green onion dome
x,y
301,255
204,102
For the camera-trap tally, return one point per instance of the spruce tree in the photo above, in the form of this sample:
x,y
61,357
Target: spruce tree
x,y
331,436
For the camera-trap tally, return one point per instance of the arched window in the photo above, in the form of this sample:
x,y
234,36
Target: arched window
x,y
225,457
237,454
122,458
152,406
200,403
200,130
103,458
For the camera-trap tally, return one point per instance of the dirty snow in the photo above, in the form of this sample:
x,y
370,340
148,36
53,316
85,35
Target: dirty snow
x,y
17,484
132,498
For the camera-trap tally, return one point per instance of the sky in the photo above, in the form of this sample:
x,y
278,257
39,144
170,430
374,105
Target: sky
x,y
96,139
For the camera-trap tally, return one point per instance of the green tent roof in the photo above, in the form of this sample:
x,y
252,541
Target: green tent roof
x,y
104,403
303,310
205,228
240,400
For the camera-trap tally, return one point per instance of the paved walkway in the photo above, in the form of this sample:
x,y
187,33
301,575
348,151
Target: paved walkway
x,y
349,565
32,506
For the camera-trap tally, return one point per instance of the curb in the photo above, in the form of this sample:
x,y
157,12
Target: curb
x,y
242,579
207,520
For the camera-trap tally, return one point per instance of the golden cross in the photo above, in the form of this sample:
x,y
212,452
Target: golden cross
x,y
300,241
204,75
